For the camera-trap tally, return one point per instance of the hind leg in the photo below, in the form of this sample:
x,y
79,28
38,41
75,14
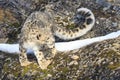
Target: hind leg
x,y
23,57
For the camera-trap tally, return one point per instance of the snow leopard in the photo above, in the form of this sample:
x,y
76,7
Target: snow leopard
x,y
39,31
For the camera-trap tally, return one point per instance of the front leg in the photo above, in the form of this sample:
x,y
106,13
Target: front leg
x,y
43,63
23,57
50,54
44,60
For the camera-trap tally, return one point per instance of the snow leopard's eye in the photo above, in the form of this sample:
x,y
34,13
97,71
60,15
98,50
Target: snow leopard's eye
x,y
38,36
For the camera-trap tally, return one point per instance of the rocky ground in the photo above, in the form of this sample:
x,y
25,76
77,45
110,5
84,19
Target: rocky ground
x,y
98,61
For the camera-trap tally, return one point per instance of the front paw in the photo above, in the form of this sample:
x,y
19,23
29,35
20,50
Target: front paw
x,y
43,64
25,63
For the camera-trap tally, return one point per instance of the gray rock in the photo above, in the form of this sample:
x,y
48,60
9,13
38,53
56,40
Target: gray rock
x,y
98,61
104,3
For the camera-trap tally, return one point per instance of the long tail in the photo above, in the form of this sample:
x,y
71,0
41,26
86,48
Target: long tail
x,y
64,46
82,22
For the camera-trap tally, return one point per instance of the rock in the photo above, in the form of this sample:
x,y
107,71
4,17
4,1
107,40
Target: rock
x,y
8,23
103,3
114,24
73,63
1,56
49,75
98,61
75,57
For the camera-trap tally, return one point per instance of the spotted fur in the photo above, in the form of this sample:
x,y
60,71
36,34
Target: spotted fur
x,y
39,30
